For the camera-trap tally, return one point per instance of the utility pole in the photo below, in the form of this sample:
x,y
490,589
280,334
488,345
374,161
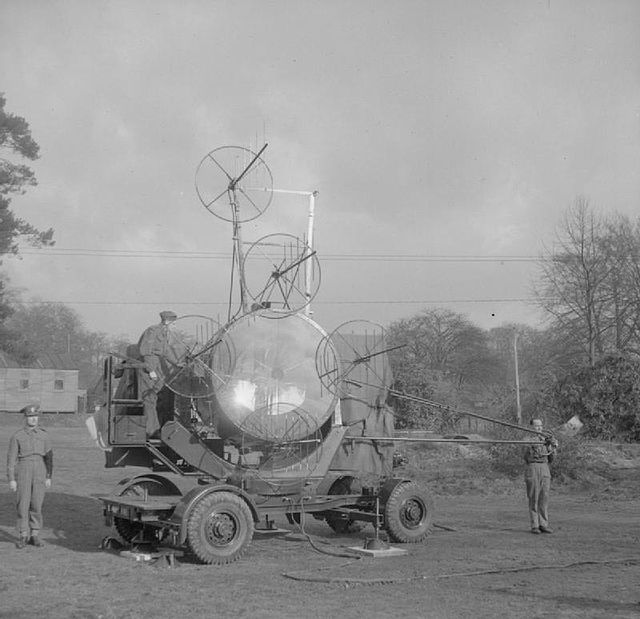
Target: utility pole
x,y
515,363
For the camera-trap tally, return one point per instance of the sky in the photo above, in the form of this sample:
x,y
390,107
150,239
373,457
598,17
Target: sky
x,y
445,139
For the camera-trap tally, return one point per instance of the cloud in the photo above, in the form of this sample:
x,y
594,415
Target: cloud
x,y
428,128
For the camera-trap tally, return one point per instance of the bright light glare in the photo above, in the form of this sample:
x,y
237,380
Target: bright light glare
x,y
245,394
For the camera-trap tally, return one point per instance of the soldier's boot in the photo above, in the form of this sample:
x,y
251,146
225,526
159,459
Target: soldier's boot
x,y
36,541
22,542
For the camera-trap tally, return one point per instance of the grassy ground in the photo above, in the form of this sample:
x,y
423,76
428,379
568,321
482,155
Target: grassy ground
x,y
589,568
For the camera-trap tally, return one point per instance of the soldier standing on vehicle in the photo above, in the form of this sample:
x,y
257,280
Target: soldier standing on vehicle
x,y
156,352
538,479
29,469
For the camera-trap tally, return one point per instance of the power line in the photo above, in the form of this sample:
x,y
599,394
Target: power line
x,y
430,301
329,302
347,257
207,255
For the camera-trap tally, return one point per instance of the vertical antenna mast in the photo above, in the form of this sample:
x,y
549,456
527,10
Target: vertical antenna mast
x,y
237,229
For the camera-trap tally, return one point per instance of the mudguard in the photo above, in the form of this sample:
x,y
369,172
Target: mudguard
x,y
388,487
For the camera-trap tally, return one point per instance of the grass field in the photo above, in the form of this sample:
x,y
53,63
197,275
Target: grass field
x,y
589,568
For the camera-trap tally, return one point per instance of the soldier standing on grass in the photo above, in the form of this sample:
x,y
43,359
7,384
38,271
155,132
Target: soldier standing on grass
x,y
29,469
538,479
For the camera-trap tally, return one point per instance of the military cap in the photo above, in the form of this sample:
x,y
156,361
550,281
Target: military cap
x,y
32,410
168,315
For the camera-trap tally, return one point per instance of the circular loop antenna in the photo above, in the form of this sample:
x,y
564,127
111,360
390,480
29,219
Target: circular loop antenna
x,y
282,274
281,422
281,446
234,183
328,366
362,364
192,371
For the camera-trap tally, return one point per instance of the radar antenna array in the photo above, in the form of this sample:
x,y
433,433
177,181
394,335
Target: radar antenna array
x,y
200,357
353,356
279,274
277,277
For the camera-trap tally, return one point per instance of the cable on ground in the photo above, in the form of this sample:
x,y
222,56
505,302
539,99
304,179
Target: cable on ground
x,y
348,581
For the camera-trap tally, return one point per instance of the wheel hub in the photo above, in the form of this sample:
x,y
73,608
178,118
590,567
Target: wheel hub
x,y
221,529
412,513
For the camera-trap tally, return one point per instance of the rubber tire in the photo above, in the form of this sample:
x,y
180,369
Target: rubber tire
x,y
231,512
408,513
128,530
339,525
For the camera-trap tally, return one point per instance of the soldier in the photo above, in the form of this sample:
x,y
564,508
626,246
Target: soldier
x,y
156,352
29,469
538,479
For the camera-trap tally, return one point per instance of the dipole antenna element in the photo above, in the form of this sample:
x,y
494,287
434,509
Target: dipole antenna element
x,y
234,183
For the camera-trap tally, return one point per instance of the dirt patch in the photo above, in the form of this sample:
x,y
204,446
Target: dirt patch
x,y
486,565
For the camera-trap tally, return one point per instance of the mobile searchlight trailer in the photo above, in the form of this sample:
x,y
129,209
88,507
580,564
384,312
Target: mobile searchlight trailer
x,y
272,441
265,417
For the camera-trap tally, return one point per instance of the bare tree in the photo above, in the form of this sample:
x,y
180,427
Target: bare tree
x,y
621,244
445,341
443,357
575,281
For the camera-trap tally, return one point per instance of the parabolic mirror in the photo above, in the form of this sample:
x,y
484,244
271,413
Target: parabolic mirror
x,y
272,391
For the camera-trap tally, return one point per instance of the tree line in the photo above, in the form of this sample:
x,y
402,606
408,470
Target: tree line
x,y
585,360
30,329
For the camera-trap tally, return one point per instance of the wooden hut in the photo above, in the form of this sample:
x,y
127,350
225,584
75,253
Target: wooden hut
x,y
50,381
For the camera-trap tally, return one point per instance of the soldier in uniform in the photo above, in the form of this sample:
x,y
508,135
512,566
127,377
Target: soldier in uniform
x,y
156,352
29,469
538,479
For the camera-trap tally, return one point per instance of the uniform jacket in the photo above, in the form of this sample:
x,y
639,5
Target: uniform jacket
x,y
536,454
29,442
157,347
154,341
153,345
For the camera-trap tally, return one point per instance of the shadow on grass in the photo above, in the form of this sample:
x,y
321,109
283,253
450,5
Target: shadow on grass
x,y
70,521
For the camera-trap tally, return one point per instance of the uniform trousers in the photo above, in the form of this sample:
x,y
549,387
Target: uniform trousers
x,y
149,389
30,476
538,481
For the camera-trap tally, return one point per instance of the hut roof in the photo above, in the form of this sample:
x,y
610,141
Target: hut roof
x,y
44,361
